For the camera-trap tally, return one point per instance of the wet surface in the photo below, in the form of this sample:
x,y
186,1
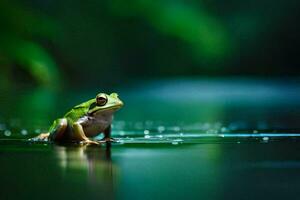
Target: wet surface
x,y
189,139
150,171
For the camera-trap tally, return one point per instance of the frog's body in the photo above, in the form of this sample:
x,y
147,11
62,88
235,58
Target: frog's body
x,y
85,120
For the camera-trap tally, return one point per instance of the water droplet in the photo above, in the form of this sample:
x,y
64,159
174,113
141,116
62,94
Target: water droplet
x,y
160,136
146,132
161,129
7,133
121,141
24,132
265,139
147,136
223,129
122,133
175,143
255,131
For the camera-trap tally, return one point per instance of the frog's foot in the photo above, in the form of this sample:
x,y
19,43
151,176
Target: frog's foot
x,y
40,138
90,142
108,139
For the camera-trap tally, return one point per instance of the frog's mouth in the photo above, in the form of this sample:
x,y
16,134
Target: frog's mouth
x,y
111,108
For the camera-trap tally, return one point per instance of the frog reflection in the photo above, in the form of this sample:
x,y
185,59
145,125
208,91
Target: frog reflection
x,y
88,161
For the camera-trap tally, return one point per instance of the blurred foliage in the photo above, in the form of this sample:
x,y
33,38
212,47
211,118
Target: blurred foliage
x,y
100,43
204,32
19,47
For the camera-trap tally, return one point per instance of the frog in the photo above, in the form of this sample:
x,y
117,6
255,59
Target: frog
x,y
85,121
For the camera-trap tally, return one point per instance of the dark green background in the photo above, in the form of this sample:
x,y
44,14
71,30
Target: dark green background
x,y
98,43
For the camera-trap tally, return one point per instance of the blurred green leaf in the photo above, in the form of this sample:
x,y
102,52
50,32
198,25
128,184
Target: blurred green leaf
x,y
32,57
20,28
204,32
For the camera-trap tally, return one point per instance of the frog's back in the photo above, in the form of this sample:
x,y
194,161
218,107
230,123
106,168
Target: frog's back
x,y
78,111
75,113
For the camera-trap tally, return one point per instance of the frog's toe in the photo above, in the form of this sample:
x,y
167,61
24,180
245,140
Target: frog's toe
x,y
43,137
108,140
91,142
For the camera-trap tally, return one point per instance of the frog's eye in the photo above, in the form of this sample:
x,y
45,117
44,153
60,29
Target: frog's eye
x,y
101,100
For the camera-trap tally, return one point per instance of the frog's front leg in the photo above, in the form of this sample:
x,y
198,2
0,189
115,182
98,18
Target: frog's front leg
x,y
78,134
107,135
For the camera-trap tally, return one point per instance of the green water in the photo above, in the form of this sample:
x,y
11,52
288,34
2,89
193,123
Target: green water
x,y
188,139
198,171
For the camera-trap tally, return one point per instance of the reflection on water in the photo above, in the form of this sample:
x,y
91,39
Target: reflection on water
x,y
56,171
149,171
93,161
96,161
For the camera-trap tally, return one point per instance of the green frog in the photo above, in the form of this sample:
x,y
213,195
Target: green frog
x,y
85,121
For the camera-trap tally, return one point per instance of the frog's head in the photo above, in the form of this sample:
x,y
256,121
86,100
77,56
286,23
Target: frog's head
x,y
104,102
